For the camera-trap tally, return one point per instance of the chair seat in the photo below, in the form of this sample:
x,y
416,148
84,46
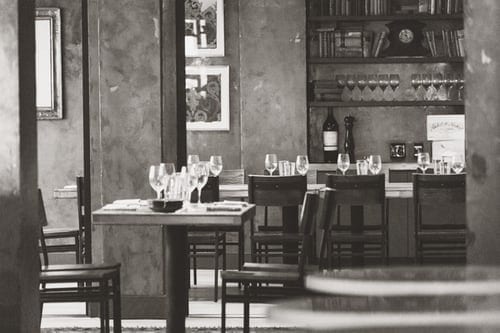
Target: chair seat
x,y
60,232
276,237
260,276
442,235
205,238
83,275
349,237
275,267
77,267
269,228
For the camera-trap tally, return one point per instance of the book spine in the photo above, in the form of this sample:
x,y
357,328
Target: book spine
x,y
380,43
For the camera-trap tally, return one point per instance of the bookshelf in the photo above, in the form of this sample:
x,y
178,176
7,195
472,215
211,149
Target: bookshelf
x,y
402,119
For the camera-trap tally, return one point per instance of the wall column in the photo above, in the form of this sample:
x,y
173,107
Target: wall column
x,y
482,76
19,228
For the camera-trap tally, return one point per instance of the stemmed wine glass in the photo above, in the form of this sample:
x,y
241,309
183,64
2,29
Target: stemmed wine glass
x,y
416,83
426,82
423,161
363,86
351,83
201,171
169,173
192,159
372,83
343,162
436,81
302,164
461,84
457,163
192,180
341,84
375,164
447,82
358,88
394,81
271,163
156,175
216,164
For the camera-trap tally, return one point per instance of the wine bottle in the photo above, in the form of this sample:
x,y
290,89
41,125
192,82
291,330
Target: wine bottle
x,y
349,137
330,138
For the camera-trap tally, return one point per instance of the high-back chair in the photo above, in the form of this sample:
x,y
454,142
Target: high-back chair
x,y
267,281
288,193
442,240
80,283
207,243
357,240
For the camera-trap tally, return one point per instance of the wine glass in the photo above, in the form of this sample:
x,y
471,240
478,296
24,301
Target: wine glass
x,y
192,181
341,84
216,164
426,82
447,82
343,162
436,82
201,171
192,159
169,173
350,83
363,86
271,163
457,163
375,164
358,89
423,161
372,83
394,81
461,83
156,175
416,83
302,164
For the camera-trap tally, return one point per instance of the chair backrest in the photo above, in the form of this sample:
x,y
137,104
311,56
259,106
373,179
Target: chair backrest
x,y
438,191
209,193
80,201
276,190
357,190
236,176
307,218
42,217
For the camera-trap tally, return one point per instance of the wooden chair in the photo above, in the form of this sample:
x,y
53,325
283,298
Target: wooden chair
x,y
439,240
266,281
81,283
207,243
70,237
235,176
357,240
286,192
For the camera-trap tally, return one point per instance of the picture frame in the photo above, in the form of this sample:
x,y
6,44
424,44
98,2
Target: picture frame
x,y
48,63
207,98
204,29
446,127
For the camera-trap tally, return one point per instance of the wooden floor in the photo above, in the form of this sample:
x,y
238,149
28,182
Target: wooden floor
x,y
203,311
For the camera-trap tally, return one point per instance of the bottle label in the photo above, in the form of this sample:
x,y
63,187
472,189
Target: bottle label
x,y
330,141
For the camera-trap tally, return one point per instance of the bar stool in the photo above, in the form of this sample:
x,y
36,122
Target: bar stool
x,y
288,193
443,239
203,243
357,240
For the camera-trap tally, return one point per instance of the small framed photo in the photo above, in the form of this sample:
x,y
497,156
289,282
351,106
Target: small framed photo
x,y
446,127
204,28
207,98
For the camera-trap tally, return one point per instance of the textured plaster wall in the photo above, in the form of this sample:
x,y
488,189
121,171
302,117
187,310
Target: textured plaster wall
x,y
60,142
482,75
19,268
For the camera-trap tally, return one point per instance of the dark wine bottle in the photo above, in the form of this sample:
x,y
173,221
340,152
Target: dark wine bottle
x,y
349,138
330,138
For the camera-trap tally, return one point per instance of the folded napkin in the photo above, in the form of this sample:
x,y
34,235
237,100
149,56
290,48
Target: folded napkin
x,y
231,203
114,206
127,202
223,208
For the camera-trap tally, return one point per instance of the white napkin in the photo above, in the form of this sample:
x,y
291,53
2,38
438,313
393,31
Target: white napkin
x,y
127,202
231,203
114,206
223,208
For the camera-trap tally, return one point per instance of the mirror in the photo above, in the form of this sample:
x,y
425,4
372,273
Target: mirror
x,y
48,63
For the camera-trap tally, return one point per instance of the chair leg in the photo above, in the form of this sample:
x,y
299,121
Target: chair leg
x,y
223,308
102,315
117,306
246,308
216,267
224,256
195,279
105,292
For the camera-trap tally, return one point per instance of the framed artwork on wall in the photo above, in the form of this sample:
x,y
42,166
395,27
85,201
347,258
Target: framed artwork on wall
x,y
204,28
48,63
207,98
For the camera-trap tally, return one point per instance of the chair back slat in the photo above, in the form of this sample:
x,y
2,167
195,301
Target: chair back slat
x,y
42,216
80,201
326,212
209,193
357,190
438,189
307,219
236,176
276,191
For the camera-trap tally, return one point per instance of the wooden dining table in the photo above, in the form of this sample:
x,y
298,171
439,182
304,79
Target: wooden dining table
x,y
175,226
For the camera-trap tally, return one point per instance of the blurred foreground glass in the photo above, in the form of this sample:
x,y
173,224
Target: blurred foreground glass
x,y
192,159
423,161
271,163
343,162
167,179
202,172
362,167
156,178
375,164
457,163
216,165
284,168
302,164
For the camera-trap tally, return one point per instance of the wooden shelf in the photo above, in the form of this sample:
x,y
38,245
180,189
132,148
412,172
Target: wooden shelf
x,y
385,103
386,60
423,17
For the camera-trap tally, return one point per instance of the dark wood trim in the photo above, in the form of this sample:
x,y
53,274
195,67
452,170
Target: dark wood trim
x,y
387,60
384,103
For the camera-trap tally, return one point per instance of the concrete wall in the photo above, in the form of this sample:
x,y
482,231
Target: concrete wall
x,y
60,142
19,228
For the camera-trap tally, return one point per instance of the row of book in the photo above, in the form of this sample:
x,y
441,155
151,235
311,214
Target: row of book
x,y
445,43
349,43
350,7
326,90
440,7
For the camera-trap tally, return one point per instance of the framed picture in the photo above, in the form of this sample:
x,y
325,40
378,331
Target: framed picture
x,y
204,28
48,63
446,127
207,98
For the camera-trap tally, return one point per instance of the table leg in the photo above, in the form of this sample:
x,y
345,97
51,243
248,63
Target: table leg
x,y
357,224
241,247
290,225
176,288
